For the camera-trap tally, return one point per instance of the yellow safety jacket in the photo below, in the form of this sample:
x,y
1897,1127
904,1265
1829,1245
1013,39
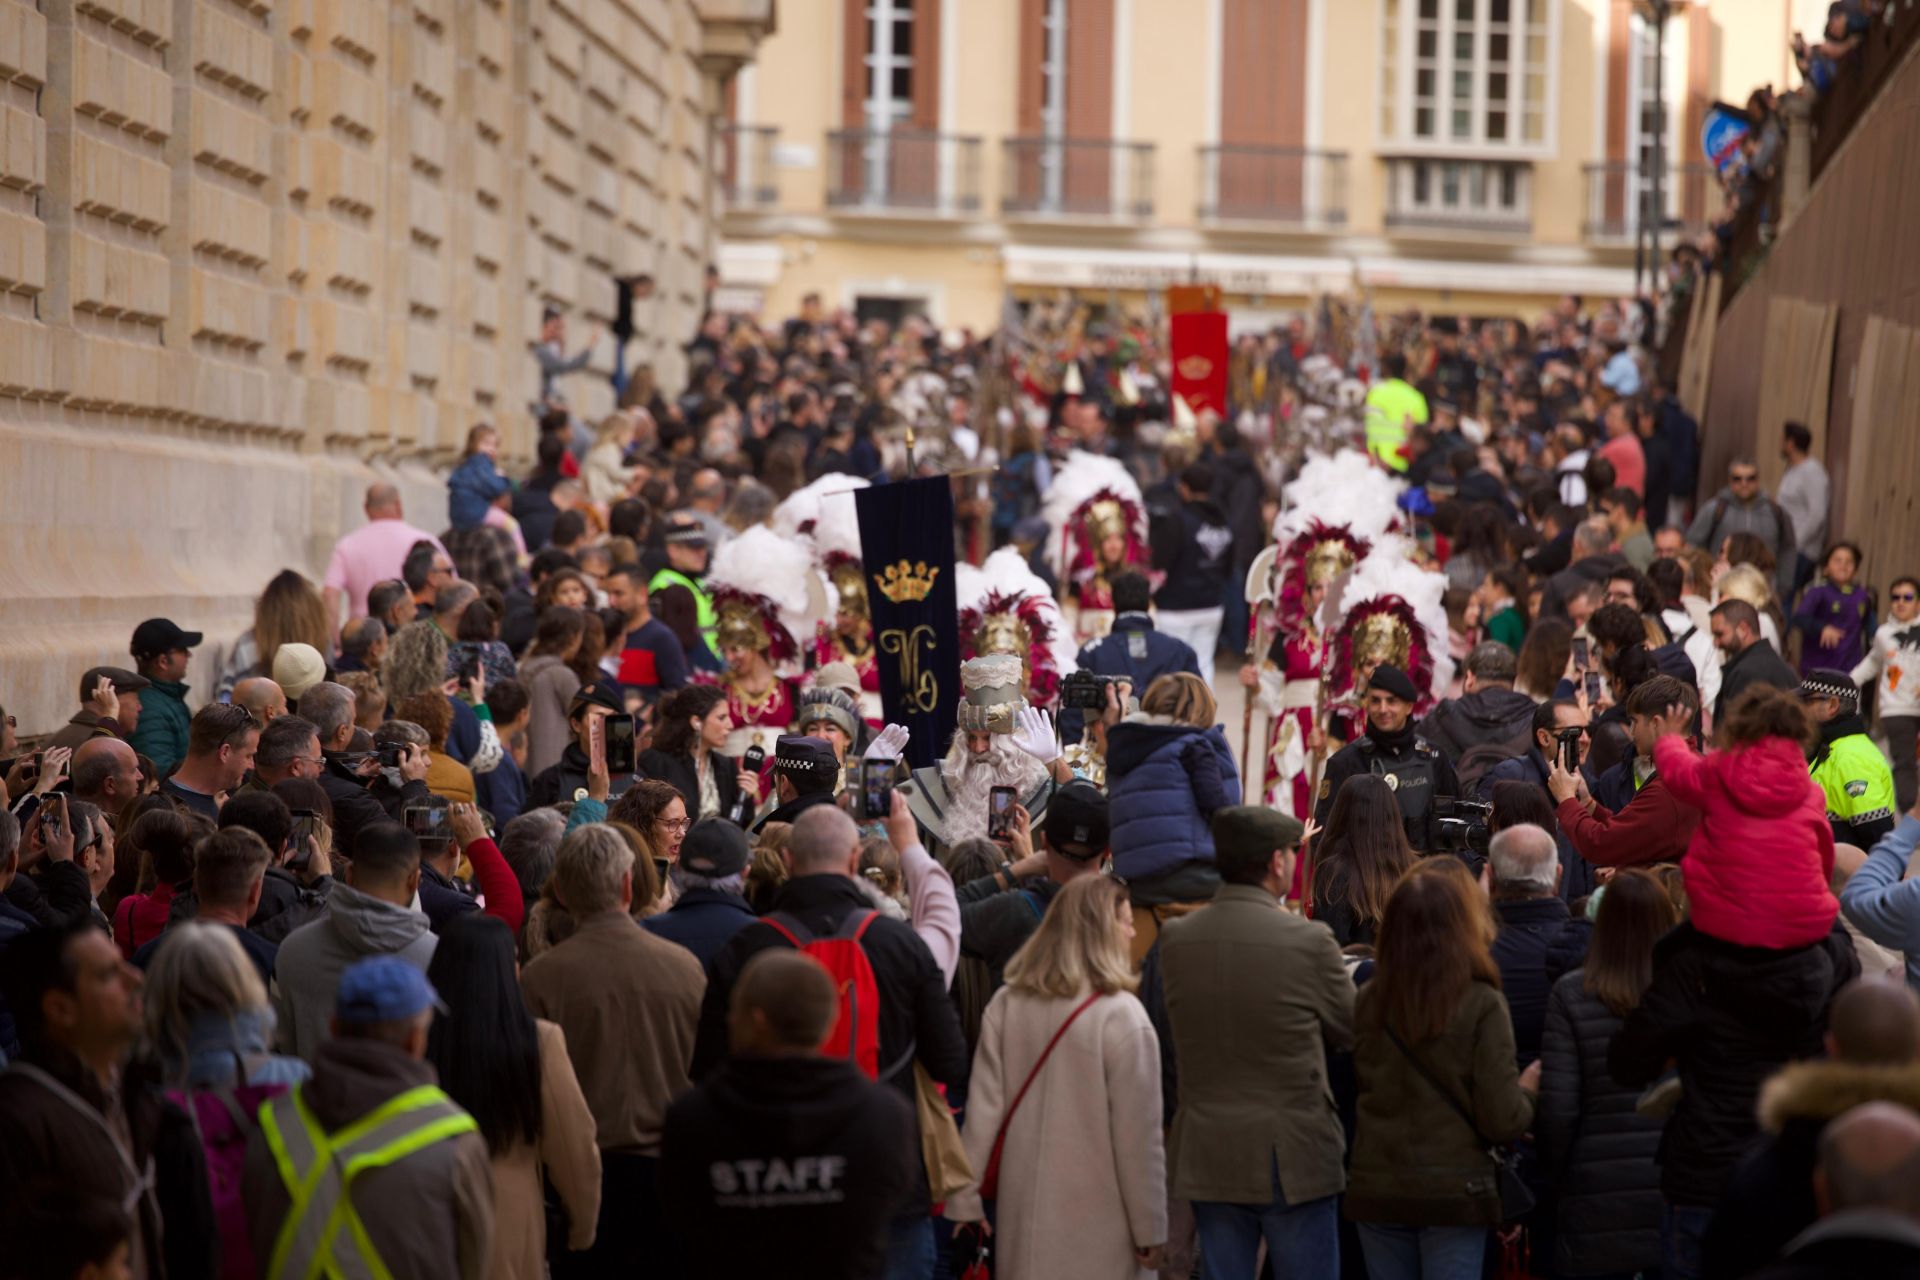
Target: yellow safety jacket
x,y
323,1235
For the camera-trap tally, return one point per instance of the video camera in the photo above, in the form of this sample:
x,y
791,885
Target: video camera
x,y
1087,690
1460,826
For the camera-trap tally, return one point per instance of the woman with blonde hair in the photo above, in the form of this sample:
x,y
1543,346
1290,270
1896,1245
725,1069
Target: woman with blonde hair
x,y
417,663
289,611
1065,1090
207,1014
369,699
1438,1082
1168,770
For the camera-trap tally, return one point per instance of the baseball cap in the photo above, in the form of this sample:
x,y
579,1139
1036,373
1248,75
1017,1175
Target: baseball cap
x,y
1075,822
124,681
297,668
601,693
383,989
160,635
714,847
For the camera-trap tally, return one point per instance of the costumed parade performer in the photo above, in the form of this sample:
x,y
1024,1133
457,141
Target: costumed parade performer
x,y
823,516
1006,608
764,589
1338,508
1101,522
1001,741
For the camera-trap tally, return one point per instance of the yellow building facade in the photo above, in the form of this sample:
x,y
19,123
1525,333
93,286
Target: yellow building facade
x,y
1478,157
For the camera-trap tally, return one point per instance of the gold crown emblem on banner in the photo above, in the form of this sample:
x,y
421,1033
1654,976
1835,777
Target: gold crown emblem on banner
x,y
1195,367
903,582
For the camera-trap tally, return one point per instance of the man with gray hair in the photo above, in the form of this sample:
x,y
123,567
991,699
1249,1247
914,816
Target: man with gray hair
x,y
1867,1184
106,773
628,1003
289,748
1488,715
710,881
1539,939
915,1020
1594,561
329,707
531,845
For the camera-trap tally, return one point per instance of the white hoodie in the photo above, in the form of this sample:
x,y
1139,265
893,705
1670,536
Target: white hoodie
x,y
1894,658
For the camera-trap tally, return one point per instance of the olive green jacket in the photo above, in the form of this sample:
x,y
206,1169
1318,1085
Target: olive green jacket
x,y
1255,996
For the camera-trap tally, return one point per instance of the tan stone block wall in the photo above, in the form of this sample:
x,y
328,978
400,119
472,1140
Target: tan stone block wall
x,y
256,253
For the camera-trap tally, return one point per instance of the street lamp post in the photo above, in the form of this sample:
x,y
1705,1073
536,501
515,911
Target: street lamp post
x,y
1657,12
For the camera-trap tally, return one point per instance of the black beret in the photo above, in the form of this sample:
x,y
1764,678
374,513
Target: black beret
x,y
1390,679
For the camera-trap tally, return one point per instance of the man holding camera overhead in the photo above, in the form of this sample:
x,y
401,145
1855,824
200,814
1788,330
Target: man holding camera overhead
x,y
1418,771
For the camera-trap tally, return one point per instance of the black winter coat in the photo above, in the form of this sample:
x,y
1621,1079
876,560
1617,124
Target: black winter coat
x,y
1596,1151
353,805
1237,491
678,771
915,1013
1193,546
1485,717
1731,1016
1769,1200
1539,940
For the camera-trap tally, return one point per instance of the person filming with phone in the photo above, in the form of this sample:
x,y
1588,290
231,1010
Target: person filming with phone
x,y
999,912
446,830
1653,826
594,707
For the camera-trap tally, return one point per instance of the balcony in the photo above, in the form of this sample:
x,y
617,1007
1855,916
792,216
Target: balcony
x,y
903,171
747,180
1620,200
1090,178
1291,186
1485,197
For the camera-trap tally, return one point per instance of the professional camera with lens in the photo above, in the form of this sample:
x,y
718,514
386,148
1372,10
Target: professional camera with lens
x,y
1460,826
1086,690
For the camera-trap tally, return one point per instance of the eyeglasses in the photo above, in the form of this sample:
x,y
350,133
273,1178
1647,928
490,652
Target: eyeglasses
x,y
673,824
1898,595
1737,478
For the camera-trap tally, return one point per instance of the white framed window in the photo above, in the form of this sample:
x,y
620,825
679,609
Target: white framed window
x,y
1468,194
889,99
1468,76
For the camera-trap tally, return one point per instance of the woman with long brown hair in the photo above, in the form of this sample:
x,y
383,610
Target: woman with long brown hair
x,y
1358,859
1438,1084
551,683
1083,1145
1544,655
1597,1150
289,611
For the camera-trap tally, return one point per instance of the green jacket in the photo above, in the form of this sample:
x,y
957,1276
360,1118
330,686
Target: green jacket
x,y
1415,1161
1859,789
161,735
1255,996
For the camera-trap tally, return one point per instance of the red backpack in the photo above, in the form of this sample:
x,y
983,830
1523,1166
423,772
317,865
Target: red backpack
x,y
856,1035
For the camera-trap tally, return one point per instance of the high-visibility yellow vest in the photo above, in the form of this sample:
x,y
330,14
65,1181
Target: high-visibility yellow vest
x,y
323,1235
1391,406
704,614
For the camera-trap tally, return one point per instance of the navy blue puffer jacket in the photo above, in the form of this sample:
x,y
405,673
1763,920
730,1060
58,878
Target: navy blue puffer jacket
x,y
1164,782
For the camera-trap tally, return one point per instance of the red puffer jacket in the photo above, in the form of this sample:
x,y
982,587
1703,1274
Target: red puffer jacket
x,y
1759,865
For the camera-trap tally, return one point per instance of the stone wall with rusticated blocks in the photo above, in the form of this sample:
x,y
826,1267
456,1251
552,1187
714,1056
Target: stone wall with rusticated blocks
x,y
255,253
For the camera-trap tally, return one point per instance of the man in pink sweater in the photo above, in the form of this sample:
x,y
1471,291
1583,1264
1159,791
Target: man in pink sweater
x,y
1622,449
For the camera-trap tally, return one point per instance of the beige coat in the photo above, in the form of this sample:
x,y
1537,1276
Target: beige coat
x,y
568,1154
1083,1175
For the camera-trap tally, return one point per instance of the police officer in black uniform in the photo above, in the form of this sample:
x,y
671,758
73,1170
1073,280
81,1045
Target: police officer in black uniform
x,y
1418,771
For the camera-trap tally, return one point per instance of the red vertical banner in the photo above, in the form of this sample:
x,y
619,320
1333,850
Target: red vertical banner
x,y
1200,359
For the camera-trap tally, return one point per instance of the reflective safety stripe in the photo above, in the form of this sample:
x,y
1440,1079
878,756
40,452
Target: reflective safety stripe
x,y
323,1234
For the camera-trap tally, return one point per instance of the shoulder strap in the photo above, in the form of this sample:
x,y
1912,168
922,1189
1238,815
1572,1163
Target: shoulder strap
x,y
1446,1094
790,928
1032,900
1000,1137
855,925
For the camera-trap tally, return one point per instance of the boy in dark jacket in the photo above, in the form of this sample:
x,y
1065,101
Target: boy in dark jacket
x,y
783,1161
1192,544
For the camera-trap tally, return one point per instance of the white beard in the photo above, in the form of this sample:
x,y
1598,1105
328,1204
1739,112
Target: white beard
x,y
969,778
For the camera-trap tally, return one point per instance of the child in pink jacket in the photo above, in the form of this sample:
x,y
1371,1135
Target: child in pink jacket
x,y
1758,867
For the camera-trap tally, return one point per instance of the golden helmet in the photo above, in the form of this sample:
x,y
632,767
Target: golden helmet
x,y
1327,561
850,580
1103,518
739,625
1381,638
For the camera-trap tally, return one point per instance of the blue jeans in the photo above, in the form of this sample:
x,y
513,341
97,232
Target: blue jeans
x,y
1682,1228
1303,1240
1422,1253
910,1247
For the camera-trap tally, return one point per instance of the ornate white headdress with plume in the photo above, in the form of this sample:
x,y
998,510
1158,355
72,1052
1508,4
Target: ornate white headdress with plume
x,y
1090,494
766,594
1344,488
1006,608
